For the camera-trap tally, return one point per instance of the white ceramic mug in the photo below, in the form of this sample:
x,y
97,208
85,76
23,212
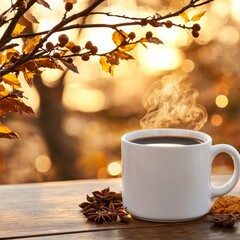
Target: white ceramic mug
x,y
168,182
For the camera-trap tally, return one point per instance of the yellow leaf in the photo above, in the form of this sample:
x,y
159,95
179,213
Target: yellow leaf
x,y
128,47
18,29
185,16
3,58
105,64
119,36
29,77
69,44
198,16
5,132
30,44
11,79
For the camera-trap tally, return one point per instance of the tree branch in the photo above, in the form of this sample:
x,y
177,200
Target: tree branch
x,y
6,37
135,21
57,28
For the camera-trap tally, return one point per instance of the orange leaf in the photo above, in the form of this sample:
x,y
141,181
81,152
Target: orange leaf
x,y
47,63
13,104
119,37
185,16
198,16
3,58
30,44
11,79
5,132
18,29
29,77
3,91
27,15
123,55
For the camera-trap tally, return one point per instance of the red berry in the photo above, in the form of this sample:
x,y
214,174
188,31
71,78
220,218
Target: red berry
x,y
49,46
85,57
168,24
88,45
75,48
56,55
94,50
196,27
195,34
63,40
68,6
149,34
132,35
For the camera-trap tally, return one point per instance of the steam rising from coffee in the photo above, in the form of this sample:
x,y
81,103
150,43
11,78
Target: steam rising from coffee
x,y
171,103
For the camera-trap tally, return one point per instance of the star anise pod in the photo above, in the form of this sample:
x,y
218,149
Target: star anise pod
x,y
119,212
226,221
104,196
100,217
105,206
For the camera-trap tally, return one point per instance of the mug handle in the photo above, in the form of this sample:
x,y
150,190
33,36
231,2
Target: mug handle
x,y
232,182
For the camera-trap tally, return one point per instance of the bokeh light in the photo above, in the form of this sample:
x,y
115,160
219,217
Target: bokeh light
x,y
114,168
221,101
216,120
43,163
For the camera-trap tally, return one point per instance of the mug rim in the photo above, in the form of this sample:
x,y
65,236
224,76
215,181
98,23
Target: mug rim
x,y
167,132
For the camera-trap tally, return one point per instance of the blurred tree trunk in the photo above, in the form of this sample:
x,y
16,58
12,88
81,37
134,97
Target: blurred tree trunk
x,y
62,147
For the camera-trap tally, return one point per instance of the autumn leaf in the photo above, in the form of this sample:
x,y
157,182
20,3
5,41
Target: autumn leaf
x,y
30,44
30,66
198,16
128,47
13,104
27,15
18,29
69,44
185,16
47,63
105,64
5,132
28,77
3,58
70,66
152,40
3,91
44,3
11,79
119,37
123,55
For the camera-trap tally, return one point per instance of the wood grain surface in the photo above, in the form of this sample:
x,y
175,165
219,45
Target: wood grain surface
x,y
50,211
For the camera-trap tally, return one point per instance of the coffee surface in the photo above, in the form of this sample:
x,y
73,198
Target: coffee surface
x,y
167,141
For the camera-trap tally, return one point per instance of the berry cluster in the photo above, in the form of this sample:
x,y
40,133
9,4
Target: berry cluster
x,y
195,30
71,48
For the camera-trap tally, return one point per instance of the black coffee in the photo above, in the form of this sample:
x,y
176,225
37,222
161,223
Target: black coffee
x,y
167,141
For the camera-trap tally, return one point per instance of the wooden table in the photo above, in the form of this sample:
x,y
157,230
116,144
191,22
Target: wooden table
x,y
50,211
